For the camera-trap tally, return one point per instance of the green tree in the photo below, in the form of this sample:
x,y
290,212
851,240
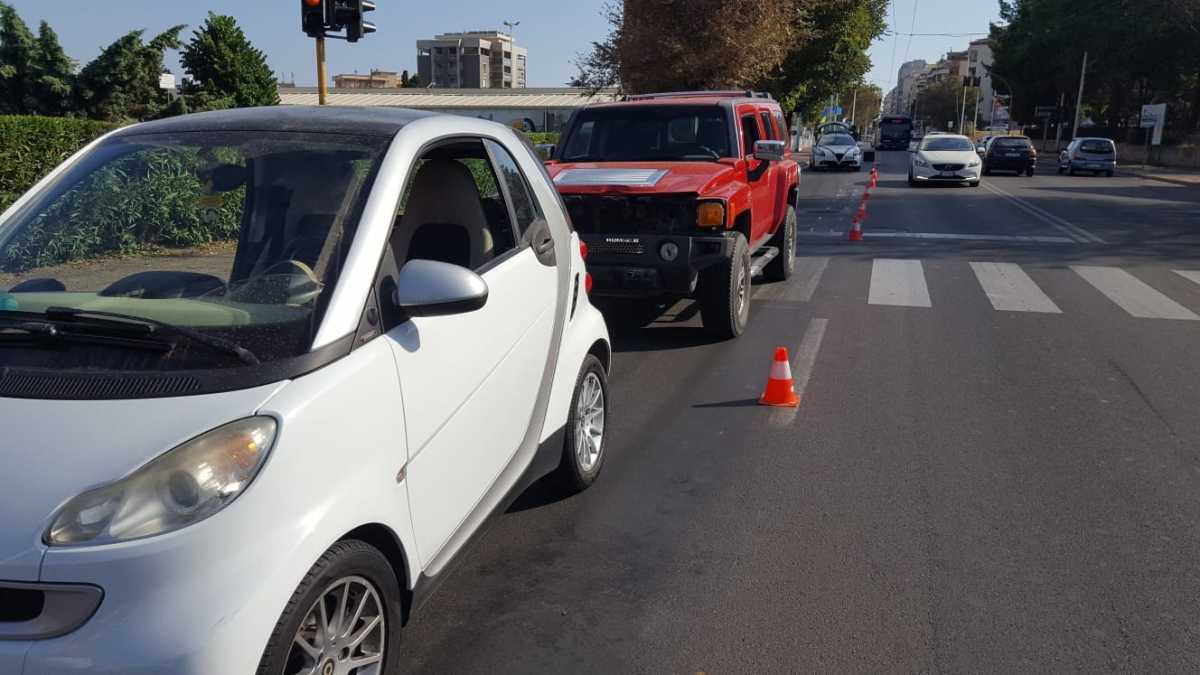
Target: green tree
x,y
226,70
122,83
940,103
54,72
17,52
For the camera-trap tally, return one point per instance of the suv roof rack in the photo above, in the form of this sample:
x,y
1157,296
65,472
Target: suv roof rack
x,y
739,93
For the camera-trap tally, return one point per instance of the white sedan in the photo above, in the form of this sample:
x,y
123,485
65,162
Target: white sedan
x,y
836,151
944,158
261,456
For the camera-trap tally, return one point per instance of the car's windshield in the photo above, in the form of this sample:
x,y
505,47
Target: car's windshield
x,y
836,139
236,235
649,133
946,143
1015,142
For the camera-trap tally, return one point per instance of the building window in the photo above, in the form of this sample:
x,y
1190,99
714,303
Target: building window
x,y
470,51
508,55
485,51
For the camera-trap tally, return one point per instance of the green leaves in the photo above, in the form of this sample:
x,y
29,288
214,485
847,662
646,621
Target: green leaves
x,y
226,70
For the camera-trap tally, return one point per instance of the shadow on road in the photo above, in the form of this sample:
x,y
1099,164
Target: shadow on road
x,y
740,403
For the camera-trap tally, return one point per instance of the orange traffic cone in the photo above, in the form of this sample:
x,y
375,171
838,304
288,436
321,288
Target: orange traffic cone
x,y
780,391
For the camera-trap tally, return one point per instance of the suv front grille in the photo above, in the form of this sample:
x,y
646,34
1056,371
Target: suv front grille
x,y
602,247
623,214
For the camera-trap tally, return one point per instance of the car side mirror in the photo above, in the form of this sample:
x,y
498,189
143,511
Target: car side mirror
x,y
771,151
433,288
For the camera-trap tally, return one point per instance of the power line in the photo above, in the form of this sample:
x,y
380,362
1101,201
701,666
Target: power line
x,y
912,28
894,79
910,35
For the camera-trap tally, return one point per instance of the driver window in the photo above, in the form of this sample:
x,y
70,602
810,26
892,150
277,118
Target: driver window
x,y
749,134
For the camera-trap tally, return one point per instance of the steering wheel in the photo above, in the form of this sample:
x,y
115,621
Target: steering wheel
x,y
287,282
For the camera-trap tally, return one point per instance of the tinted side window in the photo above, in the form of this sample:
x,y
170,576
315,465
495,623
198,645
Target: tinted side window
x,y
766,120
525,208
749,133
581,140
781,126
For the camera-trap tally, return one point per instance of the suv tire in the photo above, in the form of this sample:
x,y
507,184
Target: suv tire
x,y
781,268
573,473
345,560
725,293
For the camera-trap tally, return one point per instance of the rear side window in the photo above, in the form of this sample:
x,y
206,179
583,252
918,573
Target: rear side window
x,y
750,134
525,208
781,125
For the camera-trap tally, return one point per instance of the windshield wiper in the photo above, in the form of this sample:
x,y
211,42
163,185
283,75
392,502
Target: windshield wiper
x,y
148,327
45,332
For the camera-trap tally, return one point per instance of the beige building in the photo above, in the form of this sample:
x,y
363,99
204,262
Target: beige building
x,y
979,59
472,60
376,79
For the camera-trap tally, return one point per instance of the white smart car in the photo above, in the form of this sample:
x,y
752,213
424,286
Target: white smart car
x,y
944,158
264,372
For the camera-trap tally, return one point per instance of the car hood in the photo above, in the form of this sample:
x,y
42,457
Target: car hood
x,y
54,450
949,156
641,177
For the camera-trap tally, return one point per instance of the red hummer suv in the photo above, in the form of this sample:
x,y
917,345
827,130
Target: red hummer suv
x,y
682,195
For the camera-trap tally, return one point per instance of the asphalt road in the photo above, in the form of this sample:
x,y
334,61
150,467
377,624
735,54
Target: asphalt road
x,y
994,467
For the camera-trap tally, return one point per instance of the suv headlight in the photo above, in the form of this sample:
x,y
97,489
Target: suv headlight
x,y
178,488
973,162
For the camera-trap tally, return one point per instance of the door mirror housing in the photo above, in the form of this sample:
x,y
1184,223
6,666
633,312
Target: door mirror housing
x,y
433,288
771,151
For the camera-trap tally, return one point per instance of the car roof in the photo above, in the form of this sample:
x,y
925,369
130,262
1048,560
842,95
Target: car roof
x,y
699,99
942,134
1092,138
317,119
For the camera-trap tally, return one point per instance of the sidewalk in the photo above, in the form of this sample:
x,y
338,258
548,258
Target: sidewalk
x,y
1162,174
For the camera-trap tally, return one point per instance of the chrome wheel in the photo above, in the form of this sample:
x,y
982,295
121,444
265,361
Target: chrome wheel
x,y
342,633
589,422
743,292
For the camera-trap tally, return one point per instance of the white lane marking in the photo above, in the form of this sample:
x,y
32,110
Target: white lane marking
x,y
1010,289
898,282
1081,235
805,278
802,368
1132,294
1190,275
1027,238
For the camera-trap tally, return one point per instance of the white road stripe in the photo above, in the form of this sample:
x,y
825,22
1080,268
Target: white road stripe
x,y
898,282
1132,294
1190,275
1027,238
802,368
1071,229
805,278
1010,289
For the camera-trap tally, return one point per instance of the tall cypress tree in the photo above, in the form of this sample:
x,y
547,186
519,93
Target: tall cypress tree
x,y
225,70
54,74
17,49
122,83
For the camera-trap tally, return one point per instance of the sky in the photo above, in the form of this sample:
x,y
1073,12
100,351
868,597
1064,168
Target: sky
x,y
554,32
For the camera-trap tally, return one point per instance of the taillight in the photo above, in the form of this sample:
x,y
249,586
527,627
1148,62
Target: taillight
x,y
587,283
583,250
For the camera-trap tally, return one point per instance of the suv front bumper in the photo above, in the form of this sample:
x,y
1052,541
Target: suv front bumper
x,y
634,265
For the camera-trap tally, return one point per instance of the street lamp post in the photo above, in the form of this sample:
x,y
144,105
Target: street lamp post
x,y
511,25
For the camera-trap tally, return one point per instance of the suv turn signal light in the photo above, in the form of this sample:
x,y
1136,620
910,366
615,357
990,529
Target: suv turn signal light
x,y
710,214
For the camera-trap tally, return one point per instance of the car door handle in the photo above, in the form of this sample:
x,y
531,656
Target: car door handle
x,y
543,246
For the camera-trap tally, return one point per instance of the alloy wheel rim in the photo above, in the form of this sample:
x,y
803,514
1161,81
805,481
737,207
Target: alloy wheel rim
x,y
589,422
741,290
343,632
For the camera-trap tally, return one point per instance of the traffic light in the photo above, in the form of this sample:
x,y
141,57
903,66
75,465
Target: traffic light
x,y
312,17
359,26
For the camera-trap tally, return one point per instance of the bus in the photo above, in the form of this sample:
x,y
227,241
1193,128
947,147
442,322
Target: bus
x,y
893,132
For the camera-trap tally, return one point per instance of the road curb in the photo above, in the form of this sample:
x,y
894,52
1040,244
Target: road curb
x,y
1161,179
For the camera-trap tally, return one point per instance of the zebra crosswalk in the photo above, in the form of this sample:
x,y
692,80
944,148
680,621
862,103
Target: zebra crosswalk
x,y
1007,286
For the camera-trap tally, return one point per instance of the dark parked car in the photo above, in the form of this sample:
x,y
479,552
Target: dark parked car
x,y
1010,153
1098,155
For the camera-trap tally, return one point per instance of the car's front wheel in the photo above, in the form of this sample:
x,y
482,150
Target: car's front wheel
x,y
344,617
725,293
780,269
583,448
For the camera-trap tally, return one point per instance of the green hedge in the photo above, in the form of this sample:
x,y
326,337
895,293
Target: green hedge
x,y
539,138
31,146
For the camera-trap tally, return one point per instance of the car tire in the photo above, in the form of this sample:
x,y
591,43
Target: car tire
x,y
781,268
911,181
974,183
725,293
575,473
351,562
986,171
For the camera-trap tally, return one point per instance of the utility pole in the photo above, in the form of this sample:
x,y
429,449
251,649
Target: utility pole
x,y
322,85
962,115
1079,98
854,108
1058,118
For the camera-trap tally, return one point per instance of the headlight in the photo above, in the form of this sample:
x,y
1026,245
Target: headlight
x,y
178,488
855,151
920,162
710,214
973,162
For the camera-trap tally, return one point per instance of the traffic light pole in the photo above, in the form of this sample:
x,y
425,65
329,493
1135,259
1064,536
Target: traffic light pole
x,y
322,85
